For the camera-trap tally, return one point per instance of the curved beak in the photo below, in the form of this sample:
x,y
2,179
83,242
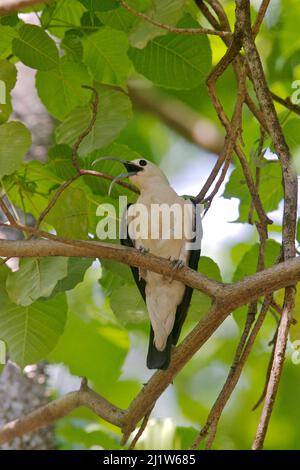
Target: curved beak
x,y
132,169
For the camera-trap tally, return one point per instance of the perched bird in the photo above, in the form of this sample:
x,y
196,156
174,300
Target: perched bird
x,y
167,299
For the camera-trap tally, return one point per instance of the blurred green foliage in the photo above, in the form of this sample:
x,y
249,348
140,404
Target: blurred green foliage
x,y
89,318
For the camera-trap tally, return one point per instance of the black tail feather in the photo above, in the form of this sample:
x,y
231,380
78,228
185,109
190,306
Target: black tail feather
x,y
158,359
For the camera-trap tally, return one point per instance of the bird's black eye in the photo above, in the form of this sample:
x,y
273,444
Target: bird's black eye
x,y
142,162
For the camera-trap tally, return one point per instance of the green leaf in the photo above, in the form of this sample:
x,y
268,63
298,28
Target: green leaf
x,y
8,77
8,74
65,13
100,5
7,34
10,20
60,89
69,216
119,18
72,46
4,299
175,61
32,332
92,350
292,133
35,278
248,263
128,305
114,112
270,189
35,48
164,11
15,141
105,52
201,302
85,434
76,271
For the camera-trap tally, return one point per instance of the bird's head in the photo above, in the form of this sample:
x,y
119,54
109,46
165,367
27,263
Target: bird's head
x,y
140,172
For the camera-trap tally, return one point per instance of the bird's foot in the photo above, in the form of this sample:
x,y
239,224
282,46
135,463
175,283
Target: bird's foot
x,y
177,264
143,250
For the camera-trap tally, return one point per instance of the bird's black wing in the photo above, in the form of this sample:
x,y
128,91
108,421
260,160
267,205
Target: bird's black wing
x,y
183,307
140,282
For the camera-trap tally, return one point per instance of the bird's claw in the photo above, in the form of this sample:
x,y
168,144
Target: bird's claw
x,y
177,264
143,250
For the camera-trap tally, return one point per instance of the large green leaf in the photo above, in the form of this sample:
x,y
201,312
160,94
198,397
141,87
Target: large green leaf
x,y
35,278
92,350
32,332
105,52
175,61
60,88
69,216
163,11
128,305
114,112
15,141
35,48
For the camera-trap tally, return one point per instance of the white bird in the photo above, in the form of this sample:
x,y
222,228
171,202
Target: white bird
x,y
149,230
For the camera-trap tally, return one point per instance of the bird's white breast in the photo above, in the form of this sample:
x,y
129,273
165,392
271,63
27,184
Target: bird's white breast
x,y
163,295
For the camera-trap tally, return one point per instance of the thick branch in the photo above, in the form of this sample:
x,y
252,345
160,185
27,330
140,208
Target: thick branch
x,y
10,6
239,293
62,407
130,256
178,116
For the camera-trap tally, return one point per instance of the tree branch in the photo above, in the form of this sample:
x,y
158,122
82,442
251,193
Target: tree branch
x,y
236,294
62,407
10,6
173,29
178,116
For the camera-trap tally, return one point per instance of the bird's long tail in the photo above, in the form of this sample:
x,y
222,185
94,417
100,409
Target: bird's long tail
x,y
158,359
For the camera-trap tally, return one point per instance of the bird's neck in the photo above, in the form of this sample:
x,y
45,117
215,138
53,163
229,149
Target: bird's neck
x,y
155,186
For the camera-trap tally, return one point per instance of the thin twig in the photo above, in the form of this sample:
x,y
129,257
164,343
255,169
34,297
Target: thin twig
x,y
173,29
287,103
141,430
94,106
268,374
260,17
6,212
276,370
210,426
